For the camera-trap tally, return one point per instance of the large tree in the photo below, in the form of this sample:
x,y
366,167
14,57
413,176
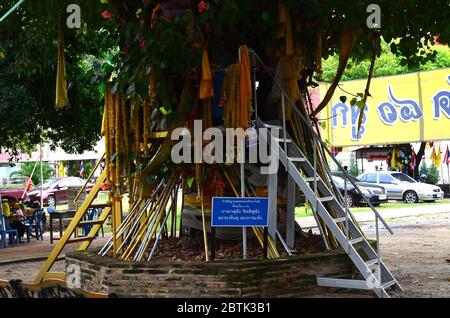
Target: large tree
x,y
318,29
28,59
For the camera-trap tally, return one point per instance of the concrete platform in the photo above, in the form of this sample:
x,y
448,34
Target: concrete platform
x,y
39,250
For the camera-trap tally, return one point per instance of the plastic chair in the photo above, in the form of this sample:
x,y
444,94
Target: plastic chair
x,y
35,222
92,215
5,229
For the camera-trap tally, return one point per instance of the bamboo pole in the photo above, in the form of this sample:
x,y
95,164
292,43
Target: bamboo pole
x,y
205,234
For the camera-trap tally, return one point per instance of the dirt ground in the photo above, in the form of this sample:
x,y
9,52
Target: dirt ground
x,y
418,256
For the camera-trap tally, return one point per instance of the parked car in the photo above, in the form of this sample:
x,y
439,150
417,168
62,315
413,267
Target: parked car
x,y
400,186
13,187
353,196
379,191
55,190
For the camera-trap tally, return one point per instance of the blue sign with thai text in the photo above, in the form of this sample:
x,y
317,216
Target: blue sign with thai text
x,y
240,212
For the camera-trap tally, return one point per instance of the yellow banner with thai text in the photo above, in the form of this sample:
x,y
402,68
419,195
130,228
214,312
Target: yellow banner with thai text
x,y
402,109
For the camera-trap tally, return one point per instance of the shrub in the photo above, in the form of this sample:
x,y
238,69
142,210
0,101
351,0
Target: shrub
x,y
431,172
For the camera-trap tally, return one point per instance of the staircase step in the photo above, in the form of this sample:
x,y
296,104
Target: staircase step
x,y
356,240
342,283
389,284
80,239
312,179
273,126
326,199
282,140
372,262
340,220
294,159
93,222
100,205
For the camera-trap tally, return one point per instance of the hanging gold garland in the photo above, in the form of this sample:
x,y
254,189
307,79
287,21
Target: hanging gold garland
x,y
118,133
231,96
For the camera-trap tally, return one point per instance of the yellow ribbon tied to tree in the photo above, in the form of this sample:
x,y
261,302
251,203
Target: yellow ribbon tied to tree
x,y
61,85
245,87
285,29
206,84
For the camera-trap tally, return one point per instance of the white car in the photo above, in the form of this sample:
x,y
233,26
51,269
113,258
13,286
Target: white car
x,y
400,186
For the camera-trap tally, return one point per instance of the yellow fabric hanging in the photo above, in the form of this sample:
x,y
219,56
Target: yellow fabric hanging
x,y
206,84
155,12
61,170
61,85
284,18
433,156
437,159
246,87
393,159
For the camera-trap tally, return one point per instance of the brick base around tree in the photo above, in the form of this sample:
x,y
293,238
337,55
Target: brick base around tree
x,y
284,277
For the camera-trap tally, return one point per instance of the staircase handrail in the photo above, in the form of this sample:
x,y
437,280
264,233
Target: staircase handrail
x,y
319,140
77,197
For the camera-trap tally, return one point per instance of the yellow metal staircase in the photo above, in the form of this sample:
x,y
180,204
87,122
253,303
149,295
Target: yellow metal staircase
x,y
76,223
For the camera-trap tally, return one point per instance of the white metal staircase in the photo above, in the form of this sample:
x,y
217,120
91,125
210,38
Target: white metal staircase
x,y
328,204
376,275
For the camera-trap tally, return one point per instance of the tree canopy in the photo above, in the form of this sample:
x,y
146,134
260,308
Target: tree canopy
x,y
27,80
116,41
387,64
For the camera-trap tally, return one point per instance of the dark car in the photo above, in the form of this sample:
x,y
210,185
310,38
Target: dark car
x,y
54,191
378,190
353,196
14,187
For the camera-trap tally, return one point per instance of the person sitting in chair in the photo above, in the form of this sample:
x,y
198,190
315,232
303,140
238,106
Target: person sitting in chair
x,y
16,217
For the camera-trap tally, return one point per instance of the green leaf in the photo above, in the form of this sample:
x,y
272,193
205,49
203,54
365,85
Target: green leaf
x,y
190,181
164,111
360,104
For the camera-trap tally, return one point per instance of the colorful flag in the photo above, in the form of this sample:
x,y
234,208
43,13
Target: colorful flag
x,y
82,169
447,157
393,159
437,160
413,159
433,156
61,169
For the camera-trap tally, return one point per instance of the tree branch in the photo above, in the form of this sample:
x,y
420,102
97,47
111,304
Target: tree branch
x,y
347,41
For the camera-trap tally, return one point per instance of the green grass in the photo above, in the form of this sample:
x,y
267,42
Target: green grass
x,y
301,211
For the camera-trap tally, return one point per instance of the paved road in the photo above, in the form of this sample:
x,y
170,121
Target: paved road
x,y
415,210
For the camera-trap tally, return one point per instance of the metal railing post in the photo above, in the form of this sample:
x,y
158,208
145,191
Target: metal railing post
x,y
283,107
316,196
346,213
378,251
255,96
